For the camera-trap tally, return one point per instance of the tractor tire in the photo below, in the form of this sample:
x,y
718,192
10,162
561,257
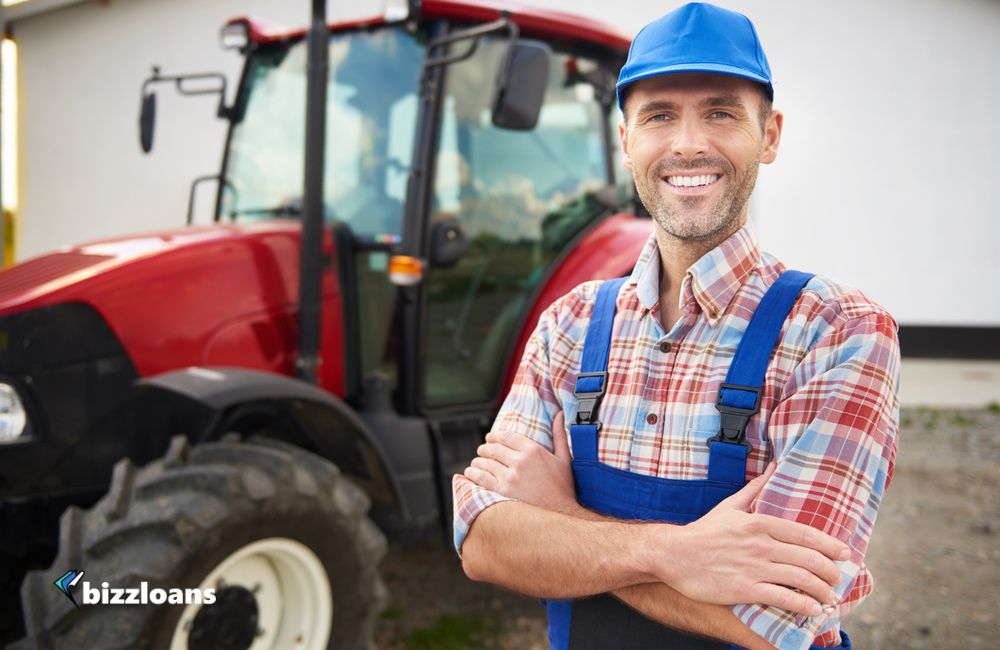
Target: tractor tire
x,y
280,534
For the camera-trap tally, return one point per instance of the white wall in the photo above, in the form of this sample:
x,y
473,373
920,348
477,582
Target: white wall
x,y
83,174
885,179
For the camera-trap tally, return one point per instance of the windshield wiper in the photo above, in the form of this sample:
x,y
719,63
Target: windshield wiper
x,y
291,208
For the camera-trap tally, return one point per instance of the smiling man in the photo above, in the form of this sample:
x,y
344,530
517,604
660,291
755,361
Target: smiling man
x,y
710,365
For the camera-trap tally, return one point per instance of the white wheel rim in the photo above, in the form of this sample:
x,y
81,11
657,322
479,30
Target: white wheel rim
x,y
294,603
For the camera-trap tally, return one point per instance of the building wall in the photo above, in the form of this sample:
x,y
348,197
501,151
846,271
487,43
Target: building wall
x,y
83,175
885,178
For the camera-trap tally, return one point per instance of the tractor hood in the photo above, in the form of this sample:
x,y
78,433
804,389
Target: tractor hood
x,y
96,270
211,295
71,272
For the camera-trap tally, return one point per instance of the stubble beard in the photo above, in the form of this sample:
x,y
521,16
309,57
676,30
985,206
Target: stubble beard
x,y
693,218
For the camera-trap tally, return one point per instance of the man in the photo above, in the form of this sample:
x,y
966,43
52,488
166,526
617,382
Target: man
x,y
649,443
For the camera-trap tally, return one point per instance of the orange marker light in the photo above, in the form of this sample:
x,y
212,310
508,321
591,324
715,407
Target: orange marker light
x,y
405,271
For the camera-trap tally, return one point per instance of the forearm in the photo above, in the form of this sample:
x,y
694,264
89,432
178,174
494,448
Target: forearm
x,y
671,608
549,554
727,556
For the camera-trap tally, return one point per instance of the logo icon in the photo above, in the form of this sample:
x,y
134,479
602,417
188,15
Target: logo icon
x,y
67,582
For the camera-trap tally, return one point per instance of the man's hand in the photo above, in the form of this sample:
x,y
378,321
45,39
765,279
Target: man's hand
x,y
726,557
729,556
518,467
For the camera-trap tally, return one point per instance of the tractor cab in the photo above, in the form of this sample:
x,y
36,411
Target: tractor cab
x,y
417,165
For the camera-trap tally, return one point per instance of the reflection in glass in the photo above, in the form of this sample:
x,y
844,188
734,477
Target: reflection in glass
x,y
520,197
371,116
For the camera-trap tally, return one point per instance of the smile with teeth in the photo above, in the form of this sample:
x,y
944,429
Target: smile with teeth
x,y
692,181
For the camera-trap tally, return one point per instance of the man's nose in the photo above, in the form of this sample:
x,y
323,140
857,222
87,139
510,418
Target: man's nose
x,y
689,139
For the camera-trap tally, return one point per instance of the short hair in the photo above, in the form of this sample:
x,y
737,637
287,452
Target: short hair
x,y
766,105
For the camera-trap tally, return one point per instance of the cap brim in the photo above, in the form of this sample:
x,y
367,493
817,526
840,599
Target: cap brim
x,y
710,68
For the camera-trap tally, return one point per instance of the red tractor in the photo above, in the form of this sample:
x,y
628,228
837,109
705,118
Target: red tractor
x,y
422,184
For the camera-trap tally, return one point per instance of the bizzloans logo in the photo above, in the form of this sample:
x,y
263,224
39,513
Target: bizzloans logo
x,y
67,582
141,595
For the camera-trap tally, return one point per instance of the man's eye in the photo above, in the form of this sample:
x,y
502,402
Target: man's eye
x,y
721,115
659,117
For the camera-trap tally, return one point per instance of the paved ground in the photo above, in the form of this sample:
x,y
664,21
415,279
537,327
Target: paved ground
x,y
935,557
946,383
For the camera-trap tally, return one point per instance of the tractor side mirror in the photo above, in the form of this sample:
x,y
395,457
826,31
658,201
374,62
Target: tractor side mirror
x,y
448,243
186,84
147,121
520,85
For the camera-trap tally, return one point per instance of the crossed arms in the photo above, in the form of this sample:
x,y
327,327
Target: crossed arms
x,y
680,576
540,542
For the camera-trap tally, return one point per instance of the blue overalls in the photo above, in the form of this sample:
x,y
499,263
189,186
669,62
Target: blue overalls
x,y
603,622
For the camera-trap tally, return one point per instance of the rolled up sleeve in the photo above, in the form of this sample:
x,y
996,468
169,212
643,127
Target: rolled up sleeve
x,y
529,409
834,437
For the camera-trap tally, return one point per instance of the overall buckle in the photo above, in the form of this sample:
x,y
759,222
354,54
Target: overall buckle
x,y
588,401
734,420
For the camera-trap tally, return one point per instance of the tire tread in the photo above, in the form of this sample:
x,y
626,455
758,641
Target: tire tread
x,y
153,517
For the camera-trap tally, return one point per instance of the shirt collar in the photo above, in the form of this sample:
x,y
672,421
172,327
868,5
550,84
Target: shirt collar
x,y
711,282
646,275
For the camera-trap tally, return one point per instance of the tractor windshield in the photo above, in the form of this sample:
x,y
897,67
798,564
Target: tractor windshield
x,y
371,116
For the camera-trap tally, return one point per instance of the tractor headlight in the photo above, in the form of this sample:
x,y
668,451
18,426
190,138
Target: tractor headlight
x,y
235,35
13,417
395,11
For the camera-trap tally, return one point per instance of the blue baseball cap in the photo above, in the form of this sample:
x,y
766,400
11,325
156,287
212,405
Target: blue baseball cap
x,y
697,37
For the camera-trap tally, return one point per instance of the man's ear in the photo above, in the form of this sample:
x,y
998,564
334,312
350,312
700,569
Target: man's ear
x,y
623,140
772,136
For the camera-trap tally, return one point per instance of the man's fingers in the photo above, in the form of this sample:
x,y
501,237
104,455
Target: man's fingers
x,y
560,444
742,499
785,598
481,478
803,580
792,532
808,559
509,439
498,452
495,469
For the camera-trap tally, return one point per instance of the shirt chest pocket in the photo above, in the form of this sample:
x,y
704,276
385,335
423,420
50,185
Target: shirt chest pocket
x,y
671,447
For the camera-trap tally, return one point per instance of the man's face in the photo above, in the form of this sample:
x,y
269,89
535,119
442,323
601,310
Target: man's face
x,y
694,143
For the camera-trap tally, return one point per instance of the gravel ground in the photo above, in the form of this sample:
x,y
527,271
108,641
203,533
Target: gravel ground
x,y
934,555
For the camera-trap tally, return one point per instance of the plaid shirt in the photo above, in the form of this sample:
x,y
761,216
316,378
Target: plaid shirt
x,y
829,410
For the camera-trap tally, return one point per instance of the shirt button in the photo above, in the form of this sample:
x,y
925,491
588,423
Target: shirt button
x,y
665,346
651,418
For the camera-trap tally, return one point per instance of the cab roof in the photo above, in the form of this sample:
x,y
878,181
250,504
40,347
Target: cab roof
x,y
533,22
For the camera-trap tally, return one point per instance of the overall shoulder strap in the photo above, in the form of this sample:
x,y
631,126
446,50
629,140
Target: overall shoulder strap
x,y
592,380
739,395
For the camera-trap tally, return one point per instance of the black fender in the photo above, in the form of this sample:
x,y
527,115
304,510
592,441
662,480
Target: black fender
x,y
244,400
